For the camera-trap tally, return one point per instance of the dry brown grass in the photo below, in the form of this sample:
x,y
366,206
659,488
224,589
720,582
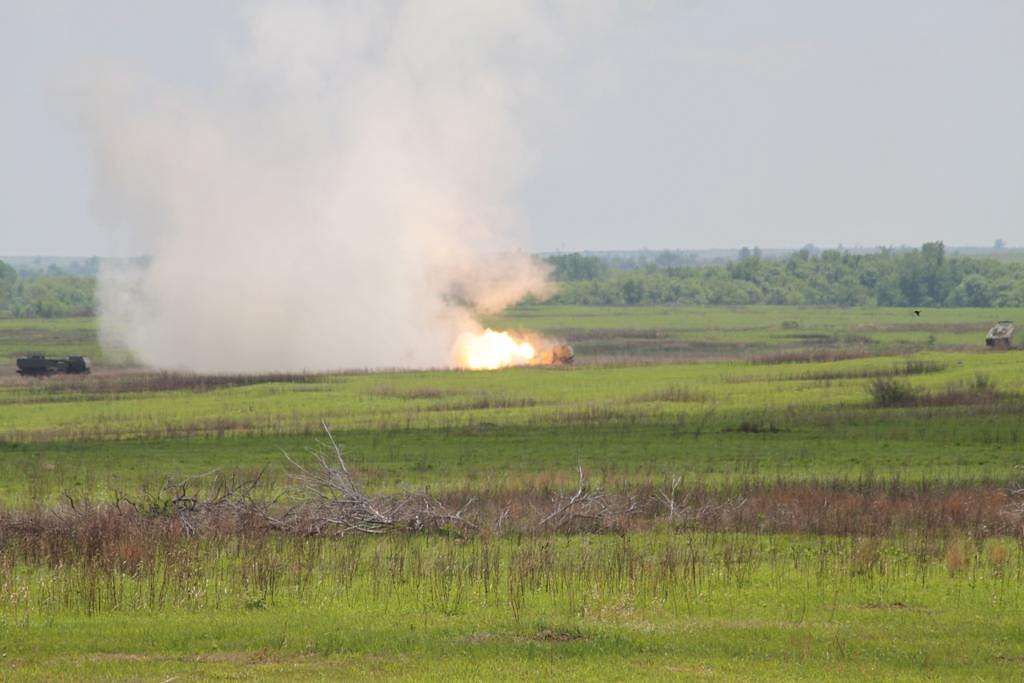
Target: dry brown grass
x,y
673,394
813,356
485,402
957,555
411,393
923,327
459,400
129,531
577,334
909,368
113,383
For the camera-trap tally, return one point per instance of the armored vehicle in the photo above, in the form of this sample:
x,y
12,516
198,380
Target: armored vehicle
x,y
562,354
40,366
1001,335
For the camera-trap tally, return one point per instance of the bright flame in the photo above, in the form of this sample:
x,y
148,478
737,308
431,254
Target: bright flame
x,y
490,350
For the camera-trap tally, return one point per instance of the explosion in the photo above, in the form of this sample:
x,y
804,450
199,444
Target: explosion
x,y
490,350
368,152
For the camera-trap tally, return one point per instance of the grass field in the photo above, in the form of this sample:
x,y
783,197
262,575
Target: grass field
x,y
657,605
782,492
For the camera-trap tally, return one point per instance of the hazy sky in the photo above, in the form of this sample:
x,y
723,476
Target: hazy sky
x,y
661,124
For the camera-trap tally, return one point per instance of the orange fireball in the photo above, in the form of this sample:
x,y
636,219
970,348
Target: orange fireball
x,y
490,350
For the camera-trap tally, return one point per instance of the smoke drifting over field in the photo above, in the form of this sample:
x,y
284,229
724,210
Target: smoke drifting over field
x,y
321,209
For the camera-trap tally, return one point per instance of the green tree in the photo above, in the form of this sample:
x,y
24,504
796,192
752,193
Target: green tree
x,y
574,267
974,291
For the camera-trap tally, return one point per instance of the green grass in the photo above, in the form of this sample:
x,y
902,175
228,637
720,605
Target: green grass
x,y
658,392
32,411
56,337
649,605
718,419
904,446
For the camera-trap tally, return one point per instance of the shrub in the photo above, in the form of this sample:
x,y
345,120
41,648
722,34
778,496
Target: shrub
x,y
921,367
887,392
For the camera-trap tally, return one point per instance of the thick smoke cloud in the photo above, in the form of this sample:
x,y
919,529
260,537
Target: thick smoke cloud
x,y
328,205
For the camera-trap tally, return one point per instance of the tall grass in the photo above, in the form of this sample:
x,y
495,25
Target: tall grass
x,y
444,577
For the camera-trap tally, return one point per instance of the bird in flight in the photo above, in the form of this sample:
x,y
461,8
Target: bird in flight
x,y
917,313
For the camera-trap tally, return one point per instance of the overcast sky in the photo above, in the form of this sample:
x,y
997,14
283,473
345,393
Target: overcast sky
x,y
675,125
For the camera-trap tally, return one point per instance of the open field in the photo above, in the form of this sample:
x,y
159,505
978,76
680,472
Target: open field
x,y
740,332
787,492
603,334
642,416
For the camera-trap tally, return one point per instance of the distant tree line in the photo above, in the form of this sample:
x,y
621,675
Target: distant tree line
x,y
45,294
916,277
925,277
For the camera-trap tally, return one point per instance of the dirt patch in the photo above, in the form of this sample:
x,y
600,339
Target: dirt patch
x,y
886,605
558,636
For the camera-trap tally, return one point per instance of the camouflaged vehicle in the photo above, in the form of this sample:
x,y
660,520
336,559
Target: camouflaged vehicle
x,y
1001,335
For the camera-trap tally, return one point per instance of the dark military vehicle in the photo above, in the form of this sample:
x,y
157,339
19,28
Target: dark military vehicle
x,y
41,366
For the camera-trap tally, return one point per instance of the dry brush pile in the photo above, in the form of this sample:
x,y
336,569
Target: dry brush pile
x,y
325,499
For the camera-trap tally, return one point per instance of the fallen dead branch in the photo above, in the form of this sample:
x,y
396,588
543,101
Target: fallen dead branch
x,y
329,500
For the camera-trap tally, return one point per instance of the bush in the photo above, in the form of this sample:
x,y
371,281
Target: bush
x,y
921,367
887,392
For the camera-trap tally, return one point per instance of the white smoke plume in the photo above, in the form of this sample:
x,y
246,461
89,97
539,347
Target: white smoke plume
x,y
355,170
